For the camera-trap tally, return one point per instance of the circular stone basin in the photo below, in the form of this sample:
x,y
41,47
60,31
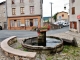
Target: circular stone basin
x,y
52,44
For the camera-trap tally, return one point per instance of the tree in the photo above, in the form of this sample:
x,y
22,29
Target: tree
x,y
55,16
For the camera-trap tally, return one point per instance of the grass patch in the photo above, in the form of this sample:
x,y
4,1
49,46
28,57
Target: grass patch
x,y
25,49
71,50
49,58
19,47
69,53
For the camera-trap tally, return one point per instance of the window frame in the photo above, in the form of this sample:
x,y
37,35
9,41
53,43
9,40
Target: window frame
x,y
31,9
73,1
21,1
18,23
13,11
62,15
73,10
22,10
13,1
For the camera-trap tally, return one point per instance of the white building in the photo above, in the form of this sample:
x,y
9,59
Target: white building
x,y
24,14
74,15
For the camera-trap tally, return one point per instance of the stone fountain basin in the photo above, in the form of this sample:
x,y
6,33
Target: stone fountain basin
x,y
54,48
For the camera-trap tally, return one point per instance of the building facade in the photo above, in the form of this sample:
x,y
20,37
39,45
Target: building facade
x,y
24,14
74,15
3,16
62,16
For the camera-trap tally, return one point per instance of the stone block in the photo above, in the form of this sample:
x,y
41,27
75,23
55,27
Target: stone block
x,y
11,55
2,58
25,58
16,58
6,53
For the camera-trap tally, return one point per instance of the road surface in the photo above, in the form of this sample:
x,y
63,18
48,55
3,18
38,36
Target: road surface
x,y
24,33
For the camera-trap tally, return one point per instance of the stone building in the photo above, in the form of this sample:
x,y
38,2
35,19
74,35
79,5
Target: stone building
x,y
3,16
74,15
24,14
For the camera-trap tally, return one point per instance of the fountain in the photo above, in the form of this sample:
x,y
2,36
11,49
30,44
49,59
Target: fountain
x,y
43,43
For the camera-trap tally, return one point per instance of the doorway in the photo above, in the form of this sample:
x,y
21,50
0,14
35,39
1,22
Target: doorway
x,y
31,22
5,25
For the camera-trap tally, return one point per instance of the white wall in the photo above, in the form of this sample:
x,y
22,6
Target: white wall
x,y
26,5
76,4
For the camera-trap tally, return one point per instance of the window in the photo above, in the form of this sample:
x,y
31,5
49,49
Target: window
x,y
12,23
31,1
73,25
18,23
73,10
13,11
21,1
13,2
62,15
35,22
15,23
31,9
27,23
73,1
22,10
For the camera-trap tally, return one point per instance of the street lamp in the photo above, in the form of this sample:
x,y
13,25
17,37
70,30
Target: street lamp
x,y
65,6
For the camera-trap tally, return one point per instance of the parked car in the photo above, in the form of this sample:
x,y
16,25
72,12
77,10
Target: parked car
x,y
65,24
62,23
0,27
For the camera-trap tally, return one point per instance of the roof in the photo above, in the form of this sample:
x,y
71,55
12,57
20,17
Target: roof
x,y
3,2
63,12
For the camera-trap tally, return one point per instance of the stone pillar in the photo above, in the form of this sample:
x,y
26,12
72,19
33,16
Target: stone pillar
x,y
42,38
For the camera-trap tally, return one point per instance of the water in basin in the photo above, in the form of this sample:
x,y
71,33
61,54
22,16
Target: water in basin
x,y
52,42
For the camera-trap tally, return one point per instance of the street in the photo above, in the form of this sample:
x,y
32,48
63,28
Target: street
x,y
24,33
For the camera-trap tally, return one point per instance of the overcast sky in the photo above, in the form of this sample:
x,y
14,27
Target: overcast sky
x,y
58,6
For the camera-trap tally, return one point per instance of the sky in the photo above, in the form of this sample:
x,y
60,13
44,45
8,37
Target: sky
x,y
58,6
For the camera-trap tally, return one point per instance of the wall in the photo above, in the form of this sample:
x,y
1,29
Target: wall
x,y
22,20
73,18
65,17
26,4
3,19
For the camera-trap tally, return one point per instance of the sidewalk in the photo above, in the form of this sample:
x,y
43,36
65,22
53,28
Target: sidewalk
x,y
69,36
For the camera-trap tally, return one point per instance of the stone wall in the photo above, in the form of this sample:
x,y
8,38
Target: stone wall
x,y
14,53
